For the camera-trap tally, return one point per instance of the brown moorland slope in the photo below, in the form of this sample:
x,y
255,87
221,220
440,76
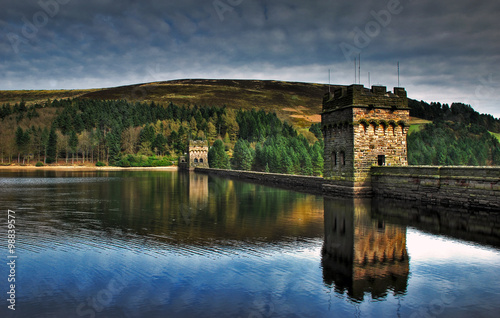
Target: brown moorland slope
x,y
299,103
296,102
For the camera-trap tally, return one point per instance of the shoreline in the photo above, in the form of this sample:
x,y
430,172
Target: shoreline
x,y
86,168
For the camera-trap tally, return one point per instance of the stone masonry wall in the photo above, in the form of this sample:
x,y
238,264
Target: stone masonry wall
x,y
339,144
471,187
379,132
360,135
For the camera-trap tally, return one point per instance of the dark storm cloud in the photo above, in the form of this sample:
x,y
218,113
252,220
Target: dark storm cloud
x,y
448,50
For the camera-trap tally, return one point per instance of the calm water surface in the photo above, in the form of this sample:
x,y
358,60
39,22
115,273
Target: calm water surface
x,y
168,244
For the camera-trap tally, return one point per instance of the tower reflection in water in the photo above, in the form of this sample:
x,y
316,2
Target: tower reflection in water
x,y
362,255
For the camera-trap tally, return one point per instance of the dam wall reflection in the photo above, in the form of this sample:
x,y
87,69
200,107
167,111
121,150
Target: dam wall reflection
x,y
364,249
472,225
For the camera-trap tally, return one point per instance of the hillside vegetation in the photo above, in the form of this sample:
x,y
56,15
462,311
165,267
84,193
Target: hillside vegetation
x,y
297,103
453,144
140,134
260,125
496,135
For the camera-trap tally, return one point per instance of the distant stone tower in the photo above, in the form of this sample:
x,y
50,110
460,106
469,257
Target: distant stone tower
x,y
362,127
198,154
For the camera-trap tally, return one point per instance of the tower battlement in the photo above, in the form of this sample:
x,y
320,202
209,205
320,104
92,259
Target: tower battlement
x,y
359,96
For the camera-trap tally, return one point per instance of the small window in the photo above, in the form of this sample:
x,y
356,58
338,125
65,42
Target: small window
x,y
195,160
381,160
381,225
201,160
334,158
342,158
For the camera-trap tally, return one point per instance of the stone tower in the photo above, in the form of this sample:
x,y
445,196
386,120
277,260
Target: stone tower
x,y
198,154
362,127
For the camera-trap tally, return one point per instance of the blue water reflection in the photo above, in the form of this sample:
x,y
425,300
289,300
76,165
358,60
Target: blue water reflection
x,y
156,244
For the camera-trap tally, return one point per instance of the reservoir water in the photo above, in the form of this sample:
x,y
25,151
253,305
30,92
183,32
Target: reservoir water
x,y
169,244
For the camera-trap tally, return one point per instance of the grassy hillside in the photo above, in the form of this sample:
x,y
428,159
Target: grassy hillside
x,y
39,96
497,135
416,124
298,103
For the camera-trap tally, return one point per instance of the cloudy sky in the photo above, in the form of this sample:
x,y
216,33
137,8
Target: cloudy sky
x,y
448,50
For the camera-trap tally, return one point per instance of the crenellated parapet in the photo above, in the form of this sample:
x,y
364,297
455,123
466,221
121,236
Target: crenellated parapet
x,y
359,96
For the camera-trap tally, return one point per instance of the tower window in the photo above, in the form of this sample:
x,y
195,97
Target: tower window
x,y
201,160
195,160
342,158
381,160
334,158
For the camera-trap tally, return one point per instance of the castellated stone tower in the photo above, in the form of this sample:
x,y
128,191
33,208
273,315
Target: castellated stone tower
x,y
198,154
362,127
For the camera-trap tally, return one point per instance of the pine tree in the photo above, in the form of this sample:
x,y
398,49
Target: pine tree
x,y
52,146
211,132
113,143
73,145
217,157
22,142
45,139
160,144
243,156
317,159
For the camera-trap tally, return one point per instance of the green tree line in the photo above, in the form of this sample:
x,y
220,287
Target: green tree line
x,y
144,134
457,112
453,144
122,133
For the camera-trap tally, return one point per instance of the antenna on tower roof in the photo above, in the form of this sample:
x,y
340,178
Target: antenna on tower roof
x,y
328,81
355,72
398,73
359,68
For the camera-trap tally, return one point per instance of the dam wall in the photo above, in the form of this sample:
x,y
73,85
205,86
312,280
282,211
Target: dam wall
x,y
468,187
471,187
303,183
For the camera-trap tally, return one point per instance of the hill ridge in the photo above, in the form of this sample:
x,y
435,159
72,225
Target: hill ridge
x,y
297,102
